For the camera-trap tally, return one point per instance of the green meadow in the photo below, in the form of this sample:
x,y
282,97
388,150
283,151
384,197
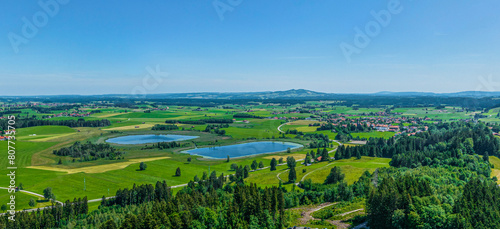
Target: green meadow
x,y
39,168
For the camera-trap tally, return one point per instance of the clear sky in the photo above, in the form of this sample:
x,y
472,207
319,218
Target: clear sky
x,y
104,47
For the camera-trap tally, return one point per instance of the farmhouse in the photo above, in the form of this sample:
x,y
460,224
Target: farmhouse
x,y
381,127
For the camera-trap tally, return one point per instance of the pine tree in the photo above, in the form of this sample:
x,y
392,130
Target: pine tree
x,y
110,224
307,160
292,175
335,176
178,172
324,155
246,170
290,162
274,163
254,165
486,157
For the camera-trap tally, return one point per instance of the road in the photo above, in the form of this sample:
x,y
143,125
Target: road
x,y
110,197
181,185
279,127
32,193
306,216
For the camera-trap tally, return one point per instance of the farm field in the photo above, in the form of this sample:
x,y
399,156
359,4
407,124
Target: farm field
x,y
353,168
495,171
37,148
374,134
93,176
23,199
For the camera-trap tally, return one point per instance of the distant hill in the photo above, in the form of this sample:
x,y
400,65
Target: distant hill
x,y
468,94
293,93
288,94
302,93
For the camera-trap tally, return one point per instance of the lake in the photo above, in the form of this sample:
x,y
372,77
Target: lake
x,y
149,138
241,150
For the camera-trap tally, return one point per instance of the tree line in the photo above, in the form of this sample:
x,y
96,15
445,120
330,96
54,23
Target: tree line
x,y
217,129
22,123
164,127
89,151
200,121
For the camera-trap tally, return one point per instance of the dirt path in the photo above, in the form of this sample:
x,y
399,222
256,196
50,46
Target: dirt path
x,y
306,216
32,193
320,168
340,143
279,127
347,213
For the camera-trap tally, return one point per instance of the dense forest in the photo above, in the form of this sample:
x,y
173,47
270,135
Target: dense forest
x,y
165,145
22,123
200,121
206,204
216,129
55,217
164,127
245,115
428,197
49,110
455,144
89,151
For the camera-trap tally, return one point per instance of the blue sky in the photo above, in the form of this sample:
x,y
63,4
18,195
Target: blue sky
x,y
104,47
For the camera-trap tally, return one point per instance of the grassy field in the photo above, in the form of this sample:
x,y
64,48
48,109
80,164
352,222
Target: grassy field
x,y
24,151
338,211
317,172
495,171
22,200
257,128
43,132
374,134
352,168
99,168
38,167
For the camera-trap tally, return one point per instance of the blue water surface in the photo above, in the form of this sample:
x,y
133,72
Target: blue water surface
x,y
149,138
241,150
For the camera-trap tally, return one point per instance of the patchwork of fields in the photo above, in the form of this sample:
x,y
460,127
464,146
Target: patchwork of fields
x,y
72,177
